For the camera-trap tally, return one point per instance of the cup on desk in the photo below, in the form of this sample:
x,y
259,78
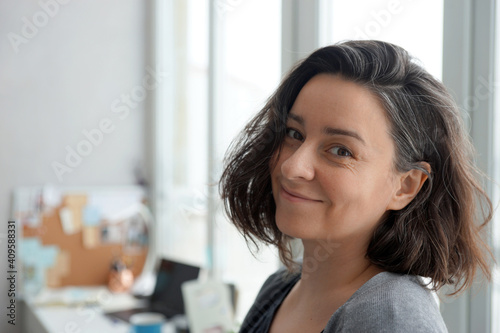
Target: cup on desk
x,y
147,322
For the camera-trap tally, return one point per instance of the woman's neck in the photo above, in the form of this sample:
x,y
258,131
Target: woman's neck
x,y
334,267
331,273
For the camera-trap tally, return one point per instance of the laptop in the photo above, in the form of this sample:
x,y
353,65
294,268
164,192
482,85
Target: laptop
x,y
167,294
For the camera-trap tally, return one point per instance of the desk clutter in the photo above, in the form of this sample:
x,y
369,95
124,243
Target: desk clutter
x,y
73,236
187,303
82,251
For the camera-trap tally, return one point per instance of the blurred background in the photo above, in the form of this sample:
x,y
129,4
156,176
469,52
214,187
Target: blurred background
x,y
151,93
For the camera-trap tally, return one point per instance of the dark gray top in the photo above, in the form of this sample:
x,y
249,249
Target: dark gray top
x,y
388,302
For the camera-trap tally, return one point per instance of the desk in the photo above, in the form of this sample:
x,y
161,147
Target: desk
x,y
85,316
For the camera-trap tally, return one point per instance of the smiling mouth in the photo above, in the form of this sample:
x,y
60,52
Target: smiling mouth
x,y
295,197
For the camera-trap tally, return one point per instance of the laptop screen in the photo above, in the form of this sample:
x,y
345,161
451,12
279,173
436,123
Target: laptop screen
x,y
167,295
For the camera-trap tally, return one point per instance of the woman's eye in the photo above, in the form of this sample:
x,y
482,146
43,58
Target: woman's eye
x,y
340,151
294,134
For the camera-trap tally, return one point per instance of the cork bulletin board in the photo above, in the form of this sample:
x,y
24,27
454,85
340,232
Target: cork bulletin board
x,y
70,237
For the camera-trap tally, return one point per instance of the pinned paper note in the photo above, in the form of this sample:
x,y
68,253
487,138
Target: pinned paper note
x,y
75,203
48,255
67,221
51,197
59,270
36,260
30,247
91,237
91,215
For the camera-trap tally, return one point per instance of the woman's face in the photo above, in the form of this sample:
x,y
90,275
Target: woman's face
x,y
334,177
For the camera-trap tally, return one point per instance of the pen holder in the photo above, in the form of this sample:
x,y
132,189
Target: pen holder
x,y
120,278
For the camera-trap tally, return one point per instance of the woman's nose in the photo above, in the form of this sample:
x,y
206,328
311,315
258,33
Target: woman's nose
x,y
299,164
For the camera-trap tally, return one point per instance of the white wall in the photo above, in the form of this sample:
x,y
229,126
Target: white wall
x,y
61,80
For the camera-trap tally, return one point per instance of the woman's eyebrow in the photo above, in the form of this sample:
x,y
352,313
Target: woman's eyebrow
x,y
330,130
297,118
339,131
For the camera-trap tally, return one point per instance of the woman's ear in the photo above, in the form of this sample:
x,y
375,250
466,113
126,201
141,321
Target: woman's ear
x,y
408,186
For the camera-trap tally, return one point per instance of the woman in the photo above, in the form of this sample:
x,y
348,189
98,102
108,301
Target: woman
x,y
362,155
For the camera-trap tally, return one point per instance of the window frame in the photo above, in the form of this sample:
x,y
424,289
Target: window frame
x,y
468,61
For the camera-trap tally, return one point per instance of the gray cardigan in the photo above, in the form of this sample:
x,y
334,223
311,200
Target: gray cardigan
x,y
388,302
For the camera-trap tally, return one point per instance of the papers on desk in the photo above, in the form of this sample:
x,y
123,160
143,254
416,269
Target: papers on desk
x,y
70,296
84,296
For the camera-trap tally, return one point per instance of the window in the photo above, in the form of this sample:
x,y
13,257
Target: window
x,y
400,22
244,71
250,68
182,131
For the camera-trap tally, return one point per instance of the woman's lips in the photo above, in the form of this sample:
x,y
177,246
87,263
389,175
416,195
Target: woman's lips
x,y
295,196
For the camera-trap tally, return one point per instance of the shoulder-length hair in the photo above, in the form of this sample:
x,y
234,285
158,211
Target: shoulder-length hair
x,y
437,235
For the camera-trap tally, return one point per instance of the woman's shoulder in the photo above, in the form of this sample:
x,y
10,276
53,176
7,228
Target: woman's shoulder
x,y
277,284
389,302
269,298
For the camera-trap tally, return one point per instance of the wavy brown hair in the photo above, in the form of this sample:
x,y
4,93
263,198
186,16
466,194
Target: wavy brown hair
x,y
437,235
